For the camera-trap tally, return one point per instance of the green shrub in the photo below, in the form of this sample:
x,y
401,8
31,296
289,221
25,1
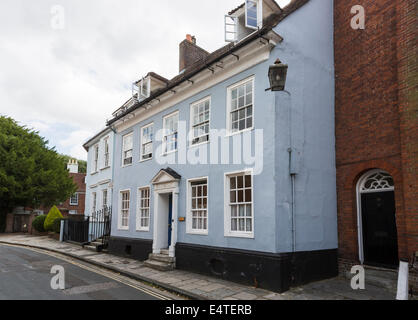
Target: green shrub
x,y
53,214
38,223
56,225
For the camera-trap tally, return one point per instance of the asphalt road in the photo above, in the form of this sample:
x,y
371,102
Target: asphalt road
x,y
25,274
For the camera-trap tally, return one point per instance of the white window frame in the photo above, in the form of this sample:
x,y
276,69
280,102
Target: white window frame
x,y
189,216
192,125
95,159
165,135
259,4
139,226
105,204
124,151
231,22
229,106
145,93
106,154
120,227
227,207
93,204
71,198
141,154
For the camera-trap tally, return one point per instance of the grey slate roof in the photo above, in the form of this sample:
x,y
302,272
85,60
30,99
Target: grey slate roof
x,y
269,23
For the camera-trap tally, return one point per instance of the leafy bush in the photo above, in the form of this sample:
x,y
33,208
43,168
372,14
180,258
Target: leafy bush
x,y
38,223
56,225
53,215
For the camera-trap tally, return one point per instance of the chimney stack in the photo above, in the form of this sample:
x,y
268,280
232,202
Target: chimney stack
x,y
190,52
72,166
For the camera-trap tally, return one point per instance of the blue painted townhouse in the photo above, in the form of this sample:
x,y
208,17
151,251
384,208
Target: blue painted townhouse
x,y
99,171
214,174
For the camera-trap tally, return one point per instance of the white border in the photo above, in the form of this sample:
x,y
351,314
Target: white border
x,y
177,112
140,140
189,229
138,215
207,98
229,89
133,144
120,228
98,158
227,213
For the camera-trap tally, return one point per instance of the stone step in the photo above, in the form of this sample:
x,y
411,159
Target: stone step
x,y
90,247
161,258
96,243
164,251
157,265
380,277
390,274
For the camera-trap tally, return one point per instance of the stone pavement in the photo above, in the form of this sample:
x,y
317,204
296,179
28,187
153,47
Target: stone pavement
x,y
197,286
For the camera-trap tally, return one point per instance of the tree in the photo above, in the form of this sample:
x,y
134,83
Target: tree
x,y
31,173
53,214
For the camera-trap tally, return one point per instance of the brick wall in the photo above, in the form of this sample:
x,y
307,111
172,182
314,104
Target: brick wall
x,y
376,113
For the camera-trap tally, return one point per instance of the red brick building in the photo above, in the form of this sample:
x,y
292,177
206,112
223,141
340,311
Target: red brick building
x,y
21,218
76,204
377,132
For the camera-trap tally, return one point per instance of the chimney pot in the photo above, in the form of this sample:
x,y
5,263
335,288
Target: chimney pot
x,y
189,38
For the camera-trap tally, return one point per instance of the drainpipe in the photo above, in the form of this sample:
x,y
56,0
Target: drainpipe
x,y
113,173
292,173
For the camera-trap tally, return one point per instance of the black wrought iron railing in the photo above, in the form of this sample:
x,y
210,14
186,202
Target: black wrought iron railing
x,y
94,229
100,224
76,230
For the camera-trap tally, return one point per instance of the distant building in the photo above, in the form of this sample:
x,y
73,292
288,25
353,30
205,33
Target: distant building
x,y
76,203
20,220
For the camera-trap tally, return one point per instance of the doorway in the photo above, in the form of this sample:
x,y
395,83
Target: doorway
x,y
378,240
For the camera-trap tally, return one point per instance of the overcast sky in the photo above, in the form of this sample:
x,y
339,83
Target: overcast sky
x,y
64,77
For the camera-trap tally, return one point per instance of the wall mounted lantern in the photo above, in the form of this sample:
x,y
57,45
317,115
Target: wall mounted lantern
x,y
277,76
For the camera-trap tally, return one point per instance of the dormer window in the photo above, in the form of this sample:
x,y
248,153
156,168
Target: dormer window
x,y
142,89
247,18
254,14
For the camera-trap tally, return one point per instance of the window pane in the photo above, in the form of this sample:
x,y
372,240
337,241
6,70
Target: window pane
x,y
233,197
233,211
248,181
242,211
233,183
248,195
240,180
249,225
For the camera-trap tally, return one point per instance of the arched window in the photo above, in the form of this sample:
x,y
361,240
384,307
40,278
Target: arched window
x,y
376,181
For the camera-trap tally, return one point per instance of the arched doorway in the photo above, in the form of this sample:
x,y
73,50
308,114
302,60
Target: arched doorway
x,y
378,240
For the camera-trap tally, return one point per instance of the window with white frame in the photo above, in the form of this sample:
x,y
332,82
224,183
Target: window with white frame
x,y
143,217
240,217
253,14
74,200
104,199
147,136
106,153
170,128
127,149
93,204
96,158
125,197
200,121
198,204
241,106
